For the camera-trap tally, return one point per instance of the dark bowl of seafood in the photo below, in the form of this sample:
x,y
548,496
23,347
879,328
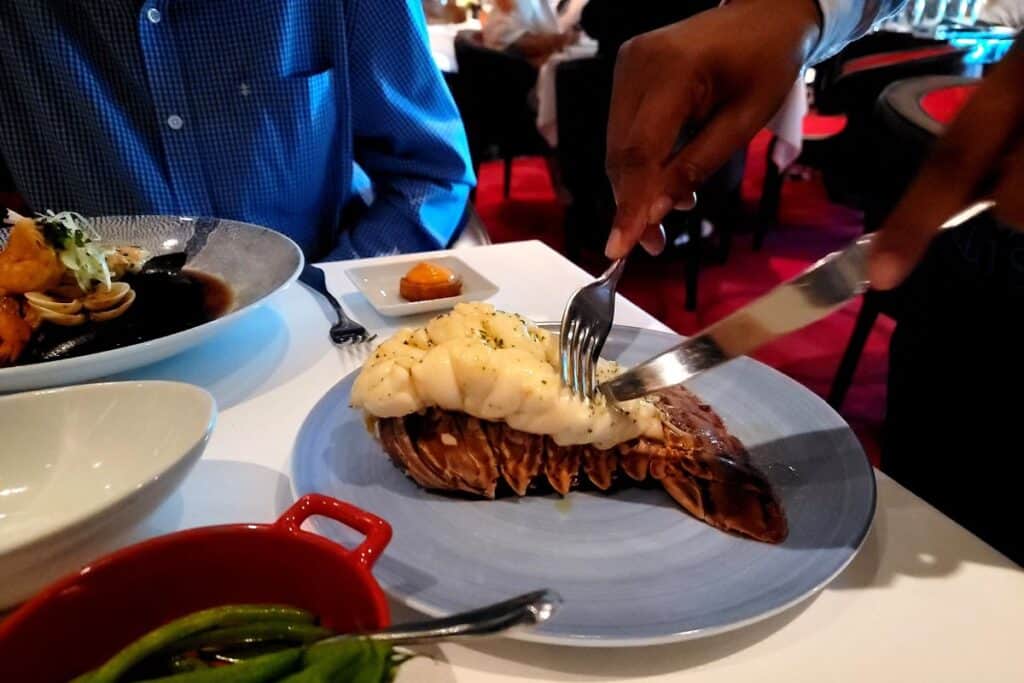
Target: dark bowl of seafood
x,y
82,298
114,600
167,298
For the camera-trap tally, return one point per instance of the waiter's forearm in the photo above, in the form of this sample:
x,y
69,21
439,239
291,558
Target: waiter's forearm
x,y
801,20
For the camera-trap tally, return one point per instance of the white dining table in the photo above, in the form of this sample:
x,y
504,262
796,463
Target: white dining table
x,y
923,601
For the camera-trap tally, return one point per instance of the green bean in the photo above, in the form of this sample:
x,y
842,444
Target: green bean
x,y
374,666
260,669
331,662
253,633
186,663
166,635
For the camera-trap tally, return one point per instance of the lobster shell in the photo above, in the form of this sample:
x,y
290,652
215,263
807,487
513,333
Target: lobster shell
x,y
701,466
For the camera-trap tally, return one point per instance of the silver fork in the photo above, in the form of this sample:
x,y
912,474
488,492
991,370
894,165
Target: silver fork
x,y
585,326
346,330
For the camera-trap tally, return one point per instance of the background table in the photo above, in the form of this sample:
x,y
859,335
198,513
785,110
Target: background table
x,y
924,600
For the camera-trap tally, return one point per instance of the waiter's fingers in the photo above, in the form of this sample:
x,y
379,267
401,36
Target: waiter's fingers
x,y
1009,191
642,132
633,197
629,86
726,132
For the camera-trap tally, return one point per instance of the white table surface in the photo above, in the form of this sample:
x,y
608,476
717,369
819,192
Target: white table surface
x,y
924,601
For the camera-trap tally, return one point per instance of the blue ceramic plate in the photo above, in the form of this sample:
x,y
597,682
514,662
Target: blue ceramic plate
x,y
633,568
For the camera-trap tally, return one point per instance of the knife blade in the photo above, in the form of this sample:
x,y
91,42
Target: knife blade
x,y
810,296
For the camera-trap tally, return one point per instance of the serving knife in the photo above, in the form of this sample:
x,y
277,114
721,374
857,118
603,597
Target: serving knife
x,y
810,296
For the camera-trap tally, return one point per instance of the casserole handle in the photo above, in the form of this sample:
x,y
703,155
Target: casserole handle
x,y
376,530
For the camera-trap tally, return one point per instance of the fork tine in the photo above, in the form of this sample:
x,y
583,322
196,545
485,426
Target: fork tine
x,y
574,339
579,361
574,351
581,354
590,358
565,346
567,353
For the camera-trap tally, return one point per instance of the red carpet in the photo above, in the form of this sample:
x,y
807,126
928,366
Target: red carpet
x,y
810,227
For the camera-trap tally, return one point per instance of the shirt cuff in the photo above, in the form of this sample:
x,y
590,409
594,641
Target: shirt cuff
x,y
846,20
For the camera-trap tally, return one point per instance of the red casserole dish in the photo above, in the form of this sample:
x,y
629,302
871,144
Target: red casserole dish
x,y
78,622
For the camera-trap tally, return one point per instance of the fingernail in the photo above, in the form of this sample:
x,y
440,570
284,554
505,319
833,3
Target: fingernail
x,y
653,241
614,246
687,204
653,248
661,206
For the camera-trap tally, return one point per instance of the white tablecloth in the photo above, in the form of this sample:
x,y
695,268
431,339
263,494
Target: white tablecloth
x,y
923,601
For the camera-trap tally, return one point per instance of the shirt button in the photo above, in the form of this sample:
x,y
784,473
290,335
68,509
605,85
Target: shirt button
x,y
175,122
153,14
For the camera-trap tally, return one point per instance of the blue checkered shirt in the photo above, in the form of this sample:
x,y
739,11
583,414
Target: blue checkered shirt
x,y
324,119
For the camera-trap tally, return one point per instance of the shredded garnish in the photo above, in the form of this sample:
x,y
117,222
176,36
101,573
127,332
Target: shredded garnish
x,y
72,236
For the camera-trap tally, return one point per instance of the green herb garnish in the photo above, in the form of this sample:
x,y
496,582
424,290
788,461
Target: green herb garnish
x,y
76,243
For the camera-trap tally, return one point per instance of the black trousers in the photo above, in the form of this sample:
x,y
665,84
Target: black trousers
x,y
954,431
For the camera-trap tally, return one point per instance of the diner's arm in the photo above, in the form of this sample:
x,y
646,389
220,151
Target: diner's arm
x,y
721,75
542,45
407,133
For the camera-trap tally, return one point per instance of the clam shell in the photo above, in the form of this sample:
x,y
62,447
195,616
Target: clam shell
x,y
115,312
44,302
107,299
63,319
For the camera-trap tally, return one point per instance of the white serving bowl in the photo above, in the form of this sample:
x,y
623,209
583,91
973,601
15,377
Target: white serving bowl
x,y
85,461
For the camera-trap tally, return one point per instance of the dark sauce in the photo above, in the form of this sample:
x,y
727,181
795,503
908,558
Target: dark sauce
x,y
218,297
166,302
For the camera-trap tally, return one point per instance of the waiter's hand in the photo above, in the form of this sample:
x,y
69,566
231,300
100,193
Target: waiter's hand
x,y
981,155
724,72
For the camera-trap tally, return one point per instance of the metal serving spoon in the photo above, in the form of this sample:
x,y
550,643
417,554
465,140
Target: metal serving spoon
x,y
526,610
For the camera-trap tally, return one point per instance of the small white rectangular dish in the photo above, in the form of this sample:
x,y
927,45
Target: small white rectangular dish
x,y
379,284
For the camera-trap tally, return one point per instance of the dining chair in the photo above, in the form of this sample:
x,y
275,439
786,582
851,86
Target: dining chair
x,y
493,96
820,133
838,131
855,93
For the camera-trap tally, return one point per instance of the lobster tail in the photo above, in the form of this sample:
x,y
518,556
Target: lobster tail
x,y
699,464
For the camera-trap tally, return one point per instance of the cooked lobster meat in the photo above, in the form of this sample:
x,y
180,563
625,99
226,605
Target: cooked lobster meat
x,y
699,464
